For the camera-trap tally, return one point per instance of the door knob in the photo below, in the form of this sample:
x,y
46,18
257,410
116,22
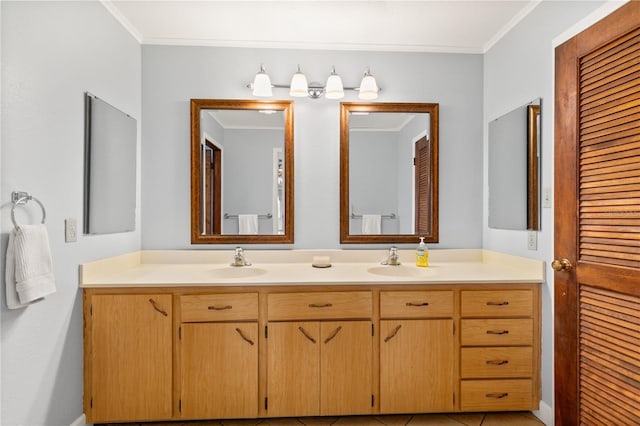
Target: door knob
x,y
561,265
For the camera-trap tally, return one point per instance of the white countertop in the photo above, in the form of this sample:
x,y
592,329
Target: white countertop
x,y
293,267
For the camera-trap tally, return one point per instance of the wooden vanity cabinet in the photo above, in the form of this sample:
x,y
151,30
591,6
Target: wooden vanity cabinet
x,y
177,353
417,348
128,357
320,354
499,351
218,346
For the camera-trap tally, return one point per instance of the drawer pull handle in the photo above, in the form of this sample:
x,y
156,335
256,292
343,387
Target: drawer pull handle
x,y
158,308
505,303
417,304
497,362
393,333
245,338
334,334
497,331
320,305
221,308
304,332
497,395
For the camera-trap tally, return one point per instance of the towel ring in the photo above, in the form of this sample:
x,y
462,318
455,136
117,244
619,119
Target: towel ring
x,y
24,200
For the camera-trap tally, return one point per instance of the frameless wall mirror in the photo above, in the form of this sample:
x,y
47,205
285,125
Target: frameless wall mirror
x,y
514,169
388,172
241,171
110,158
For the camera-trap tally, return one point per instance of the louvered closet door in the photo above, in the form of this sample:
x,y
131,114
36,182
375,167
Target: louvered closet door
x,y
423,203
597,223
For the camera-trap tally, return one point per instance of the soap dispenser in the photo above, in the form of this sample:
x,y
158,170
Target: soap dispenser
x,y
422,254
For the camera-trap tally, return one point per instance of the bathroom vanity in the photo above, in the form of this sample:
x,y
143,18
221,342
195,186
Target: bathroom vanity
x,y
176,335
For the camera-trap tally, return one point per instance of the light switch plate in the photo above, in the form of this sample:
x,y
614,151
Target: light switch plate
x,y
70,230
532,240
546,198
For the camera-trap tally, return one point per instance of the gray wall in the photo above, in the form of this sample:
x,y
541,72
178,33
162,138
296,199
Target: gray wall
x,y
52,52
247,164
518,69
172,75
373,177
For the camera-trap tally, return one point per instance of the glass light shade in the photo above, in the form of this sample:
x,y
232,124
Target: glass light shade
x,y
262,84
334,89
299,87
368,87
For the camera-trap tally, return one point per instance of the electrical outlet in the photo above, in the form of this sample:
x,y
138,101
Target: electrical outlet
x,y
532,240
546,198
70,230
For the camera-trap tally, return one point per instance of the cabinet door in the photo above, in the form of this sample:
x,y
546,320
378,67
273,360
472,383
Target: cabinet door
x,y
293,369
131,357
416,366
219,370
346,368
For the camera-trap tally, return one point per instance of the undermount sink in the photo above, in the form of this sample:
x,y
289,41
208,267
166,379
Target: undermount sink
x,y
237,272
400,271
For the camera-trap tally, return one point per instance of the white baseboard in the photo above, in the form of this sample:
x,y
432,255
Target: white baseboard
x,y
80,421
545,413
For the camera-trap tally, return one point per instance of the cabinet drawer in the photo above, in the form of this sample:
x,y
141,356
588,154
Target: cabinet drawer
x,y
497,303
496,395
496,332
479,363
416,304
219,307
319,305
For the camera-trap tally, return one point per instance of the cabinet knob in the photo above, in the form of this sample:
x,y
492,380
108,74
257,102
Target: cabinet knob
x,y
219,308
497,362
497,331
393,333
561,265
245,338
497,395
157,307
307,335
320,305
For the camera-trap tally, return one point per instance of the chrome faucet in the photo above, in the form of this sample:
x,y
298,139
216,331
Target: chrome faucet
x,y
238,258
392,259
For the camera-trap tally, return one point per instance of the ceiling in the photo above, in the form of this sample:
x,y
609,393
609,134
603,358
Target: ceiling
x,y
456,26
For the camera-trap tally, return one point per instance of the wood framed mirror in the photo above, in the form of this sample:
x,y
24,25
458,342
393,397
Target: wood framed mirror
x,y
514,168
388,172
241,171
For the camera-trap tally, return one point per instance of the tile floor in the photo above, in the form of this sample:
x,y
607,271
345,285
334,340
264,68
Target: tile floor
x,y
466,419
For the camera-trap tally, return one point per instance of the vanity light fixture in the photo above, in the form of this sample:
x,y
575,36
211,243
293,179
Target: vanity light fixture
x,y
262,84
299,87
368,87
333,89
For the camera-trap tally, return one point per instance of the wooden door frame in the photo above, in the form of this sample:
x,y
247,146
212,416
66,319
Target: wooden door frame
x,y
214,198
566,312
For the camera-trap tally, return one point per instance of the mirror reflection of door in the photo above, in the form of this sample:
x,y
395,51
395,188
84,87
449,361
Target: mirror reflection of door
x,y
421,163
241,182
213,188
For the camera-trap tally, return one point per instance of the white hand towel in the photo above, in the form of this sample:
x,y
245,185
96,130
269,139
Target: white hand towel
x,y
29,274
9,276
371,224
248,224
